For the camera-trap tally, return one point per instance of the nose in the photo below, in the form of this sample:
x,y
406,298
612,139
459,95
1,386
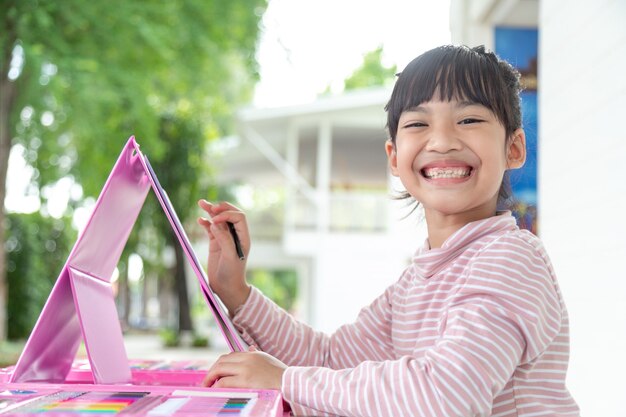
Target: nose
x,y
443,139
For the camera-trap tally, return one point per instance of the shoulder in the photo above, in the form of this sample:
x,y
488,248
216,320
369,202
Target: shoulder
x,y
511,275
515,265
515,247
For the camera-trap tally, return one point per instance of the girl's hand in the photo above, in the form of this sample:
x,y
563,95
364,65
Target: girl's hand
x,y
253,369
227,273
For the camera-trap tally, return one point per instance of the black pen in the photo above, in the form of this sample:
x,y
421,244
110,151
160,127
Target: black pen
x,y
233,233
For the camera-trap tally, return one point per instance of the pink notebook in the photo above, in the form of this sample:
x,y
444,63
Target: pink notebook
x,y
81,303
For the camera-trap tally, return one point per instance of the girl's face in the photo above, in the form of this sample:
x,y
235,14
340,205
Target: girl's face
x,y
451,157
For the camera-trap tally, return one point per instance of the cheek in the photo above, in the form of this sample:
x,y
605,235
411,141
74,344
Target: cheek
x,y
492,158
406,162
406,154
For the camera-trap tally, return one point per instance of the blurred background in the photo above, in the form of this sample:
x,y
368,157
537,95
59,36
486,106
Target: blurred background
x,y
278,106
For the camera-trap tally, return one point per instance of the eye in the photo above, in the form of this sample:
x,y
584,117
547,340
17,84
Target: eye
x,y
470,120
415,124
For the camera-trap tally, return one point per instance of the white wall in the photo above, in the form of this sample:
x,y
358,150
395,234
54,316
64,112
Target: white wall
x,y
582,188
350,274
352,269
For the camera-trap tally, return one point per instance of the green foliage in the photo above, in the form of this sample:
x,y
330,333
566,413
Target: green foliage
x,y
170,337
183,173
102,71
281,286
171,73
199,340
37,248
10,352
371,73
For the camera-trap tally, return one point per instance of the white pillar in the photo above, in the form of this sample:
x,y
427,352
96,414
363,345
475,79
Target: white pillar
x,y
322,179
293,195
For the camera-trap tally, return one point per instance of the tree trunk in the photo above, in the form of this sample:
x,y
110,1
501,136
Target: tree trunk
x,y
180,277
124,297
145,297
8,90
164,296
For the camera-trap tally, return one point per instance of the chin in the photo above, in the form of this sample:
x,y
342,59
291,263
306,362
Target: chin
x,y
447,208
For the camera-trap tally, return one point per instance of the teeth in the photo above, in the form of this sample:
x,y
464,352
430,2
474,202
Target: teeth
x,y
436,173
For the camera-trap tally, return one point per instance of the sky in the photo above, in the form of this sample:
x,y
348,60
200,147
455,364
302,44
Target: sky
x,y
307,45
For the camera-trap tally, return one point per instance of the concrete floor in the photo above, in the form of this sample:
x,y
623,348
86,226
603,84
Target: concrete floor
x,y
150,346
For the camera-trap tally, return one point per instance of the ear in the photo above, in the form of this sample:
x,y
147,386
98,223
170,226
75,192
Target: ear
x,y
516,152
390,148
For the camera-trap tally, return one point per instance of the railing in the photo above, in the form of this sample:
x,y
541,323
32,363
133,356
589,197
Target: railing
x,y
349,212
358,212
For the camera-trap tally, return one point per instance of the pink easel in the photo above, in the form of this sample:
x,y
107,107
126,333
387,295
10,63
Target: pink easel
x,y
82,303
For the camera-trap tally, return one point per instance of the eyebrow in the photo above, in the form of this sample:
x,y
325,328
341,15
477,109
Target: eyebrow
x,y
459,105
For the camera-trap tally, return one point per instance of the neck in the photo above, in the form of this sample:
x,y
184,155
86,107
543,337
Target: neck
x,y
441,225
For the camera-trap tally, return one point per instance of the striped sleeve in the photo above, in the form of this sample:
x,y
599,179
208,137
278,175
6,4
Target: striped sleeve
x,y
504,313
262,323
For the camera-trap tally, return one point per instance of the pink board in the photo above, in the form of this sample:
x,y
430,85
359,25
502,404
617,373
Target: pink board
x,y
130,400
82,304
143,372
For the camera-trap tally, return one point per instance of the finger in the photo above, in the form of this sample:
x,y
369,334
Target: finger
x,y
206,225
206,206
231,213
232,216
229,240
222,235
236,218
217,371
222,212
204,222
229,382
211,208
207,381
230,357
224,205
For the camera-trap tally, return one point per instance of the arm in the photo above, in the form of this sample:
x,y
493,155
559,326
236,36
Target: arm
x,y
273,330
505,314
262,323
459,376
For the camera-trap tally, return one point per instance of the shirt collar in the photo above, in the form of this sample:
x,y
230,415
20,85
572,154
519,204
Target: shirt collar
x,y
427,262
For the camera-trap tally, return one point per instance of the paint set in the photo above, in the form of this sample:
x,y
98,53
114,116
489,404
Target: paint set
x,y
48,379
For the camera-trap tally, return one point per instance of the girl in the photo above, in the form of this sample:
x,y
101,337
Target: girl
x,y
476,325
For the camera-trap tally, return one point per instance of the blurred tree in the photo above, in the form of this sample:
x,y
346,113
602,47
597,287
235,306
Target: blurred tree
x,y
180,128
37,248
371,73
77,78
281,285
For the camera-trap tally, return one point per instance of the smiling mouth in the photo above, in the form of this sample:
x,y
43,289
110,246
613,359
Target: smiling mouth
x,y
437,173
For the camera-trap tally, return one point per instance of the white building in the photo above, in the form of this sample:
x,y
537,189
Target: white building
x,y
338,225
581,183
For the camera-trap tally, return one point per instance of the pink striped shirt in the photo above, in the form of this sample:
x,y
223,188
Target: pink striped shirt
x,y
477,327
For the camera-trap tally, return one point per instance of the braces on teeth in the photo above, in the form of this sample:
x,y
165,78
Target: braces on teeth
x,y
447,173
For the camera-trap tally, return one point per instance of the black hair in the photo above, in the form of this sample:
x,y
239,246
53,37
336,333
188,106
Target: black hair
x,y
462,73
